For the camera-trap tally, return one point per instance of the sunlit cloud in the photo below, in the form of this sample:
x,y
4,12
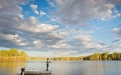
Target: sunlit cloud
x,y
58,27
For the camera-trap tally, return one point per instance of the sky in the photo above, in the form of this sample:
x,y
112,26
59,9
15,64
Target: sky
x,y
50,28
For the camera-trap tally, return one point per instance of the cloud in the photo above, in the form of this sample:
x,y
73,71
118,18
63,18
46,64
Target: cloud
x,y
115,47
103,44
116,31
42,13
53,19
76,12
26,13
24,33
69,31
116,40
61,44
85,42
64,33
32,25
17,40
34,8
117,2
51,3
38,43
31,34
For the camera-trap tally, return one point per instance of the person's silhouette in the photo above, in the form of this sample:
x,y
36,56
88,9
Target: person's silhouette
x,y
47,64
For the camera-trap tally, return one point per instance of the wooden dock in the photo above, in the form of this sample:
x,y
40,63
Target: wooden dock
x,y
36,72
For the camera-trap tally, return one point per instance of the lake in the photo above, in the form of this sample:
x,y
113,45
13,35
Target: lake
x,y
64,67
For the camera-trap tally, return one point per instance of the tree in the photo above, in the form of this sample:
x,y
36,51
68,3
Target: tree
x,y
104,55
12,54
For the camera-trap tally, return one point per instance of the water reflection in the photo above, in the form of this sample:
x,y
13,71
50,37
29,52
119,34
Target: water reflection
x,y
11,67
63,67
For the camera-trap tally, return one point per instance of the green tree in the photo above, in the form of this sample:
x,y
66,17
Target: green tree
x,y
105,55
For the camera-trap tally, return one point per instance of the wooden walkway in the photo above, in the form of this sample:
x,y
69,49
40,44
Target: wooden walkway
x,y
36,72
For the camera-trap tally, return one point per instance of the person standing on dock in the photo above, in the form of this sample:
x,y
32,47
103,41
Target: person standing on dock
x,y
47,64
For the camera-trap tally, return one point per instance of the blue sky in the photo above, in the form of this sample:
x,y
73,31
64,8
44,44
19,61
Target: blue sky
x,y
50,28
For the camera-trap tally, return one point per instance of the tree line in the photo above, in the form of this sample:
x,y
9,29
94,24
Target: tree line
x,y
37,58
95,56
104,56
13,54
66,58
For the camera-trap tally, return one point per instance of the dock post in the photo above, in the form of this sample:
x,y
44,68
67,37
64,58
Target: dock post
x,y
22,70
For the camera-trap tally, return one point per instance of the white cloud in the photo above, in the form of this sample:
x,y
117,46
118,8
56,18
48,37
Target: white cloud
x,y
36,27
61,44
20,15
116,31
56,35
36,12
83,38
13,38
30,34
86,42
27,29
78,12
83,41
64,33
70,31
34,8
51,3
42,13
26,13
116,40
53,19
38,43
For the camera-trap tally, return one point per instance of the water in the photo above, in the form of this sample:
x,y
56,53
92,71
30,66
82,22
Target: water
x,y
64,67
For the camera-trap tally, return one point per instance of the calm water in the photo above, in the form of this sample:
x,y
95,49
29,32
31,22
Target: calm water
x,y
64,67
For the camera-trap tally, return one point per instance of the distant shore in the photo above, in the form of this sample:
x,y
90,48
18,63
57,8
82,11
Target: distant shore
x,y
14,54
